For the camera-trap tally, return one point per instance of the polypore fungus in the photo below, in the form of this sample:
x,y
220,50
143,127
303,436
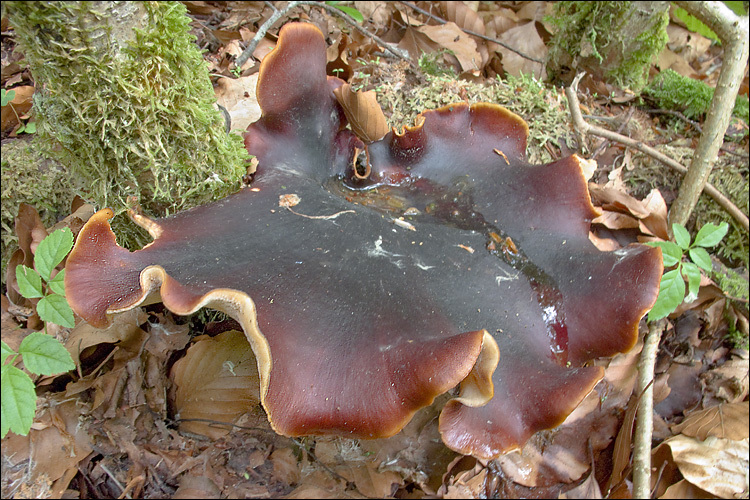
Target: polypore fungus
x,y
369,280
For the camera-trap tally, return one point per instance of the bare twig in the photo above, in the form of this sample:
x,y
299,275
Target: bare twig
x,y
114,479
331,10
645,418
584,128
473,33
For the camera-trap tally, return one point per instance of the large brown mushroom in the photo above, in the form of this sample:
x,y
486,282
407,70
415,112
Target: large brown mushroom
x,y
369,280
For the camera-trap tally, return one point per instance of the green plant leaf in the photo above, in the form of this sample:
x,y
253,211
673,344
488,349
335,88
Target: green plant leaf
x,y
681,236
354,13
693,275
671,253
55,309
8,95
6,351
671,294
18,401
57,284
29,282
30,128
52,250
710,234
700,257
45,355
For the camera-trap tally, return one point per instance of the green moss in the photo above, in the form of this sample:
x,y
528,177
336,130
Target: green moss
x,y
692,97
128,114
614,40
29,178
729,175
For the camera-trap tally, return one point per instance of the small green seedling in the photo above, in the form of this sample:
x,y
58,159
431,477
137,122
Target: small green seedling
x,y
672,286
42,354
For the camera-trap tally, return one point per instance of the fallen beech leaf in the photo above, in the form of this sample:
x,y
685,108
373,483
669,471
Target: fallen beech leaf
x,y
237,95
216,380
363,113
722,421
716,465
449,36
526,39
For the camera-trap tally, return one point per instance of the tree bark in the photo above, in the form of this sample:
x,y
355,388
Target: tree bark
x,y
733,32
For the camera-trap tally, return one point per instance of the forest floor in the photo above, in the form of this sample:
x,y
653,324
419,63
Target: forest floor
x,y
111,430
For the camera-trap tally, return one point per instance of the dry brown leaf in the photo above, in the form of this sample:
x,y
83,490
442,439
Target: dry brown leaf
x,y
216,380
589,488
616,220
285,466
123,327
727,383
617,201
687,44
525,39
685,489
463,16
718,466
723,421
196,487
21,103
363,113
238,98
449,36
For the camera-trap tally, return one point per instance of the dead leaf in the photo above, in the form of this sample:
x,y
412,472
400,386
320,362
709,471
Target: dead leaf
x,y
618,201
718,466
525,39
123,328
728,421
21,103
285,466
216,380
616,220
196,487
238,98
363,113
685,489
727,383
449,36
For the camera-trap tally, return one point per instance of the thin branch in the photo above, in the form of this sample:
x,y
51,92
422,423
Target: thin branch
x,y
644,424
584,128
473,33
733,31
331,10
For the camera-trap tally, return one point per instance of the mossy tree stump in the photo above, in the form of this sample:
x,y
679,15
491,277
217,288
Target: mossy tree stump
x,y
124,101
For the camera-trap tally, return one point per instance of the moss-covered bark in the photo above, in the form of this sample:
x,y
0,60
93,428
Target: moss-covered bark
x,y
616,41
125,103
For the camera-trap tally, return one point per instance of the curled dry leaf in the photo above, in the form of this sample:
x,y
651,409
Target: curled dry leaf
x,y
363,112
216,380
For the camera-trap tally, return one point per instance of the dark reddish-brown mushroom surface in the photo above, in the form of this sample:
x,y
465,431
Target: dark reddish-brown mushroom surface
x,y
371,278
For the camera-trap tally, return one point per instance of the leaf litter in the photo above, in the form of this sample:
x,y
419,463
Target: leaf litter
x,y
145,414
